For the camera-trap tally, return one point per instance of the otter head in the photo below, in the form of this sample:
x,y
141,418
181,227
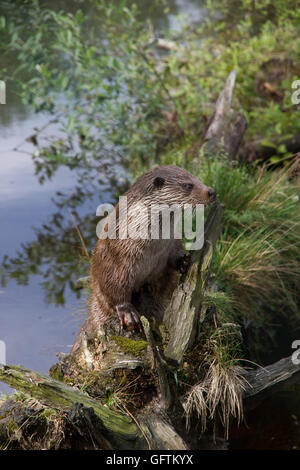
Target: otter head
x,y
173,185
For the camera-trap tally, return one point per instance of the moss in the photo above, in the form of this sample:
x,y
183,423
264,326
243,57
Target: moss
x,y
95,384
130,346
56,373
48,414
12,427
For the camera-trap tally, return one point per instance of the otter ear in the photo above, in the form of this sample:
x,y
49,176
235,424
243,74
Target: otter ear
x,y
158,182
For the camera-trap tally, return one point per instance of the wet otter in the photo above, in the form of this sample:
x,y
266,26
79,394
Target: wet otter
x,y
120,267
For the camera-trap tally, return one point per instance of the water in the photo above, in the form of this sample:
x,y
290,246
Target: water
x,y
33,328
273,425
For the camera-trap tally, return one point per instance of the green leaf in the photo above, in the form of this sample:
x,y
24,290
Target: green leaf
x,y
267,143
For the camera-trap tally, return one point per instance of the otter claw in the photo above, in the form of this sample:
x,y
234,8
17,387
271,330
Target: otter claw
x,y
129,317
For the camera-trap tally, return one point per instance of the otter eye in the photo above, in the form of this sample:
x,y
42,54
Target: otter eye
x,y
188,186
158,182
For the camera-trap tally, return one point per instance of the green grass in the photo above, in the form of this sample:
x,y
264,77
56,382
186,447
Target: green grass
x,y
257,258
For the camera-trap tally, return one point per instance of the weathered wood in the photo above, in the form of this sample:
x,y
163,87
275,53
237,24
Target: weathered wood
x,y
86,422
163,434
166,44
121,432
237,128
108,429
224,133
226,128
166,397
183,312
218,123
263,378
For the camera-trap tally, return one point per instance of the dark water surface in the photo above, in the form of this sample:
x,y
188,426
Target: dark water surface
x,y
273,425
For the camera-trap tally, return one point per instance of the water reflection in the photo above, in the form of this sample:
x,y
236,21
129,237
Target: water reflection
x,y
273,425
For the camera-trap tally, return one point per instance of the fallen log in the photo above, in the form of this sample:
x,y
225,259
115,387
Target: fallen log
x,y
263,378
116,430
107,428
110,430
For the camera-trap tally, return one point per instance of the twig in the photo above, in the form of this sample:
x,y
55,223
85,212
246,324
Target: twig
x,y
79,234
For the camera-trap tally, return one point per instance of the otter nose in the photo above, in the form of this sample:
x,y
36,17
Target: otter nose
x,y
211,194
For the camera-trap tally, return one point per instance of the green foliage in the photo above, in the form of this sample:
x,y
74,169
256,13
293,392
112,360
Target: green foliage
x,y
113,94
223,302
259,249
263,53
257,257
102,83
256,261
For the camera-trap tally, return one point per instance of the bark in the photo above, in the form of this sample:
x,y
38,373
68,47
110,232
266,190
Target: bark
x,y
226,128
112,429
263,378
108,429
182,314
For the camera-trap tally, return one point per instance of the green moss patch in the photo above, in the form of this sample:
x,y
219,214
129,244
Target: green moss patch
x,y
130,346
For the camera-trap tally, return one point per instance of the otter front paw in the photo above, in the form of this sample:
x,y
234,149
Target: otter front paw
x,y
129,317
183,262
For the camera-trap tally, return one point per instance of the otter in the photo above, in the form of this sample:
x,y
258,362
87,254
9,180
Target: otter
x,y
121,267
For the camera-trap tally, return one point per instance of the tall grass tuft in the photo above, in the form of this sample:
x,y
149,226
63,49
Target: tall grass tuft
x,y
219,394
258,255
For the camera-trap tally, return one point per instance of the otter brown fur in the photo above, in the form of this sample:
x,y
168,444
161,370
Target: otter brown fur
x,y
120,267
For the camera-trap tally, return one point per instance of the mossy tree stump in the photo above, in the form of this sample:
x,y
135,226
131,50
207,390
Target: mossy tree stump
x,y
124,391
